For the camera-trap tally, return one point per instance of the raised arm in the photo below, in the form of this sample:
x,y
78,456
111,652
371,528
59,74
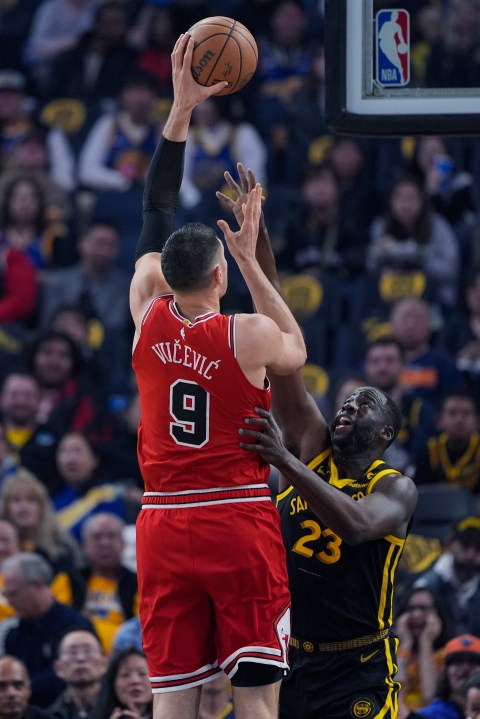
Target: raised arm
x,y
289,352
386,510
303,425
164,179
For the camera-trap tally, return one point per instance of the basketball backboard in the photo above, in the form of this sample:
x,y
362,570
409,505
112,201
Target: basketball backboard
x,y
374,86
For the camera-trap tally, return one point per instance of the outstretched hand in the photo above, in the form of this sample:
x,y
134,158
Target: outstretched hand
x,y
266,438
186,91
242,244
240,191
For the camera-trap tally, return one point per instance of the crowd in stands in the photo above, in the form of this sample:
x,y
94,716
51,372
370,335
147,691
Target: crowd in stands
x,y
379,254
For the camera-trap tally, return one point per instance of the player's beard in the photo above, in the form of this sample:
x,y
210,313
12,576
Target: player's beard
x,y
358,440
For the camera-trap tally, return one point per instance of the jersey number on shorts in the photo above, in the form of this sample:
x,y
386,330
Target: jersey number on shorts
x,y
330,554
190,408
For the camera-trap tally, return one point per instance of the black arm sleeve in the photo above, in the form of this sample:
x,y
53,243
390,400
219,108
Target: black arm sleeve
x,y
160,197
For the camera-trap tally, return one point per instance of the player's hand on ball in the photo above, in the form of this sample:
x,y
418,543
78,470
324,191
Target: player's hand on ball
x,y
187,92
224,50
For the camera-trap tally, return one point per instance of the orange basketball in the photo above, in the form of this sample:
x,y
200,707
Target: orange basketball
x,y
224,50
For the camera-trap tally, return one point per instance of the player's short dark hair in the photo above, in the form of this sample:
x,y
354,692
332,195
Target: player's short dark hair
x,y
188,257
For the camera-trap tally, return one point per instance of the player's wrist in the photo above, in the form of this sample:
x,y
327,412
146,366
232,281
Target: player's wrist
x,y
262,225
248,265
287,464
178,123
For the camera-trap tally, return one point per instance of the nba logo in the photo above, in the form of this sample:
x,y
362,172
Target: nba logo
x,y
393,48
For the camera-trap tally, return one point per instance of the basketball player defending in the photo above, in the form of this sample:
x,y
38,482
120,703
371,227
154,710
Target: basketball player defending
x,y
344,520
211,562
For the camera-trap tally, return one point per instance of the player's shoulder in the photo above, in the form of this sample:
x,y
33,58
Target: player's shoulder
x,y
395,484
154,306
256,339
256,319
256,325
159,303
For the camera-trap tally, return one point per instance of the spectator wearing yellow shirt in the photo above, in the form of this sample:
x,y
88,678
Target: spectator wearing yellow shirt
x,y
111,589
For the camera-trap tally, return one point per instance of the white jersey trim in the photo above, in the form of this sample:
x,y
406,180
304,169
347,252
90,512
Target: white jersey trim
x,y
205,504
256,660
232,335
254,650
150,307
187,675
273,657
205,491
182,687
198,320
187,684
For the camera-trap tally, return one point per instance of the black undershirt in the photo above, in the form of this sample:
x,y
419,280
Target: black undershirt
x,y
160,197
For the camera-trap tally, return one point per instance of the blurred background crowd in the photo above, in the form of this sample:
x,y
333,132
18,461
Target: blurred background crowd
x,y
378,246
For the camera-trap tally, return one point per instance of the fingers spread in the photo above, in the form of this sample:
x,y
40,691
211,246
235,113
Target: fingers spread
x,y
189,45
262,412
257,421
224,198
218,87
180,40
232,184
250,433
224,227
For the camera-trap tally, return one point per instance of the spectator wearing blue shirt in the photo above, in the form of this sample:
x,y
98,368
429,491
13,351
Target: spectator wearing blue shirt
x,y
129,634
86,490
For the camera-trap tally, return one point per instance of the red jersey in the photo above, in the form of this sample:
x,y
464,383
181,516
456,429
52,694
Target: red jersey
x,y
194,397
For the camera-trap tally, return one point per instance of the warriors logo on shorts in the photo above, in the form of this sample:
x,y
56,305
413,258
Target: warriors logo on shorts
x,y
362,709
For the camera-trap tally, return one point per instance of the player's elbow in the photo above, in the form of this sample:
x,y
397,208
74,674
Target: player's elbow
x,y
299,359
299,354
292,362
355,533
353,538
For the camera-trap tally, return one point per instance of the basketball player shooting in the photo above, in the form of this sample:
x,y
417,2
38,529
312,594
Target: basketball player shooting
x,y
211,562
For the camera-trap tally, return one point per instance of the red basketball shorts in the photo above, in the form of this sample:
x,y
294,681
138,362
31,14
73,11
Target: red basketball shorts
x,y
213,591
